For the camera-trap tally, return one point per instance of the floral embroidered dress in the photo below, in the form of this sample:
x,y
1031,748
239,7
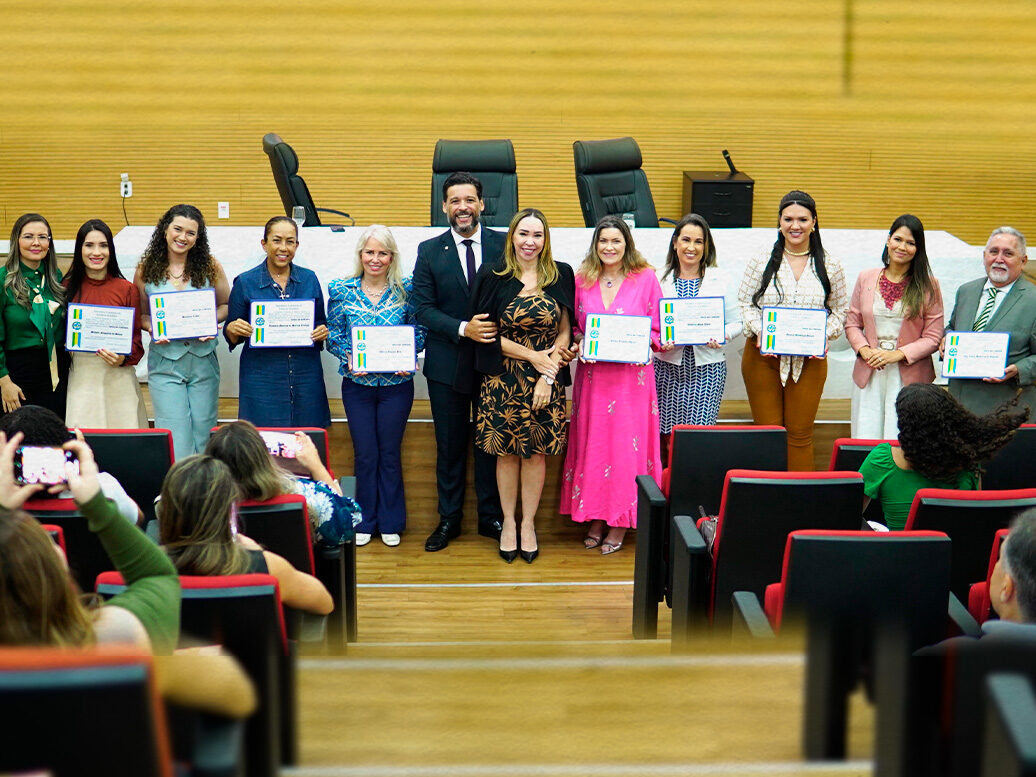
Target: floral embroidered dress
x,y
613,431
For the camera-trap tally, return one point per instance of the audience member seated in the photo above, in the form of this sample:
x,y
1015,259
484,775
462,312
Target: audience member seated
x,y
941,445
1012,587
42,427
197,525
240,446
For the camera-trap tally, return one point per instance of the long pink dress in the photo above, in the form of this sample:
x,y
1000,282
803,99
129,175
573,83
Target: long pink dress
x,y
613,431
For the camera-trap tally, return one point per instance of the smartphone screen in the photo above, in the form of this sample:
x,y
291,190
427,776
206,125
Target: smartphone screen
x,y
281,444
49,466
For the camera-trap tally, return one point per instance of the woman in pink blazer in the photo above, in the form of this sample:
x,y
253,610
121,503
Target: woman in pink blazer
x,y
895,323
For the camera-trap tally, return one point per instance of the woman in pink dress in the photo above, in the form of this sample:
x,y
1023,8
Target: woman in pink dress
x,y
613,430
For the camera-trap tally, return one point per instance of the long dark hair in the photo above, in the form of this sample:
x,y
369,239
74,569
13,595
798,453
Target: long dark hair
x,y
672,258
816,251
77,272
941,438
200,266
920,290
14,280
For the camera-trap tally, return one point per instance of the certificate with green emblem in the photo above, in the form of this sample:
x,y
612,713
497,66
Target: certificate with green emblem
x,y
383,349
975,354
794,331
178,315
93,327
281,323
615,338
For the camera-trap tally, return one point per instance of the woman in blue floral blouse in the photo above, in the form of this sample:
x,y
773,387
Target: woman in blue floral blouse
x,y
377,405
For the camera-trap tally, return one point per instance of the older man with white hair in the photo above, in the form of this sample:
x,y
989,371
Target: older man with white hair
x,y
1003,301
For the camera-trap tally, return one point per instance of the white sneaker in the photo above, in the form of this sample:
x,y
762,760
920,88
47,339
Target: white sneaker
x,y
390,539
362,539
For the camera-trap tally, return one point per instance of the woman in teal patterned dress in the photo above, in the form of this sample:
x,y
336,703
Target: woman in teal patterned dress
x,y
521,406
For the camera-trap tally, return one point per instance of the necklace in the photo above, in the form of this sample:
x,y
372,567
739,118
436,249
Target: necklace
x,y
179,277
609,282
797,253
373,294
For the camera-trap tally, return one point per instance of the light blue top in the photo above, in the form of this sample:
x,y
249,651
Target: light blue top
x,y
348,306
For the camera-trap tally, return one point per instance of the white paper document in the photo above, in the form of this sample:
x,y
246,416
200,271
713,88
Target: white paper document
x,y
614,338
692,320
177,315
282,323
975,354
383,349
794,331
93,327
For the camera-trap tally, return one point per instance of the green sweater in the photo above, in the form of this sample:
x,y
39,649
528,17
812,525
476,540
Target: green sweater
x,y
153,587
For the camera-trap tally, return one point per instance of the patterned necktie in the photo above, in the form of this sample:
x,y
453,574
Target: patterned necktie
x,y
986,312
471,260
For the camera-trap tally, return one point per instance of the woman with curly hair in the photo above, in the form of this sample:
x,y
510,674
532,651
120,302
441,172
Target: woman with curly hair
x,y
183,375
521,403
941,445
797,273
32,316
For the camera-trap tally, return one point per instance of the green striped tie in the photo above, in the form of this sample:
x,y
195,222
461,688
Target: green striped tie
x,y
986,312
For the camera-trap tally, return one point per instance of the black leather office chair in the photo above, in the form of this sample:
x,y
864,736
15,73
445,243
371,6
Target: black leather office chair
x,y
292,189
492,162
610,181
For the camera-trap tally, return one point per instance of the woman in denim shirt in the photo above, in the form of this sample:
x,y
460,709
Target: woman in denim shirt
x,y
377,405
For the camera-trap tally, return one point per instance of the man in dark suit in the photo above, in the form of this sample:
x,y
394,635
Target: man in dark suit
x,y
445,270
1003,301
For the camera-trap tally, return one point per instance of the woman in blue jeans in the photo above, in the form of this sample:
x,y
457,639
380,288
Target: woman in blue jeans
x,y
377,405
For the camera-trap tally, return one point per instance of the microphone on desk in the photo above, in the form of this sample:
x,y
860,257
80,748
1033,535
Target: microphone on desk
x,y
730,163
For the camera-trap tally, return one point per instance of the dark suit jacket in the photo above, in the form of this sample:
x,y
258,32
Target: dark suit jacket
x,y
441,298
1017,315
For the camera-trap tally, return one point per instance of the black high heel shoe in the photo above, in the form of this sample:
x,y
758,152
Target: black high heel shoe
x,y
528,555
509,555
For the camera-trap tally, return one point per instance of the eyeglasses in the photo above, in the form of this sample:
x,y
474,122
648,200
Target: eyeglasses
x,y
30,237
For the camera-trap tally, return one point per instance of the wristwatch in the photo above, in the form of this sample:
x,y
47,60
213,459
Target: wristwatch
x,y
548,380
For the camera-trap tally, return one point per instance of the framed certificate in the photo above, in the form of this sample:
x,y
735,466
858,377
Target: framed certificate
x,y
282,323
975,354
794,331
613,338
383,349
93,327
692,320
178,315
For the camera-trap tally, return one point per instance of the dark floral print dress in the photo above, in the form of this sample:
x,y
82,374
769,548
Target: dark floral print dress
x,y
506,424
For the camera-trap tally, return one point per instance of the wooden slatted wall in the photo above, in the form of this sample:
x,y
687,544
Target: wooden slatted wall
x,y
925,106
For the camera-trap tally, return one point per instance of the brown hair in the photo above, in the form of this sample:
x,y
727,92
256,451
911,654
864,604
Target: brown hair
x,y
240,446
632,261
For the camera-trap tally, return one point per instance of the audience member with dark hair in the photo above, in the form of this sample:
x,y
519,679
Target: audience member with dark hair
x,y
941,445
182,375
103,390
40,426
292,376
31,316
240,446
197,526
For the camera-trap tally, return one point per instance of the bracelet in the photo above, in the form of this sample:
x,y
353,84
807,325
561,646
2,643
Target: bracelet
x,y
548,380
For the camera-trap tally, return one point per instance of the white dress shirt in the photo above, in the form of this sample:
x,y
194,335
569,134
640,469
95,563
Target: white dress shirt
x,y
1002,291
462,255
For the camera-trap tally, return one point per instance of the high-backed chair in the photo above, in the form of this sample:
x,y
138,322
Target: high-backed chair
x,y
138,458
242,613
980,603
867,599
699,459
971,519
290,186
81,714
86,556
847,454
1012,466
758,511
610,181
492,162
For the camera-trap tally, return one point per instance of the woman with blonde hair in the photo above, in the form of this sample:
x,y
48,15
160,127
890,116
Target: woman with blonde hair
x,y
32,316
197,526
521,404
240,446
613,432
377,405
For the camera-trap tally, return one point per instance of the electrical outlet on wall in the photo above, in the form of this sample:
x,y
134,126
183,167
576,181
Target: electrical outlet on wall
x,y
224,210
125,186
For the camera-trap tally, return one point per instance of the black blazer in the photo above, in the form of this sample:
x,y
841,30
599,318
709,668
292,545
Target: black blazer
x,y
441,298
492,294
